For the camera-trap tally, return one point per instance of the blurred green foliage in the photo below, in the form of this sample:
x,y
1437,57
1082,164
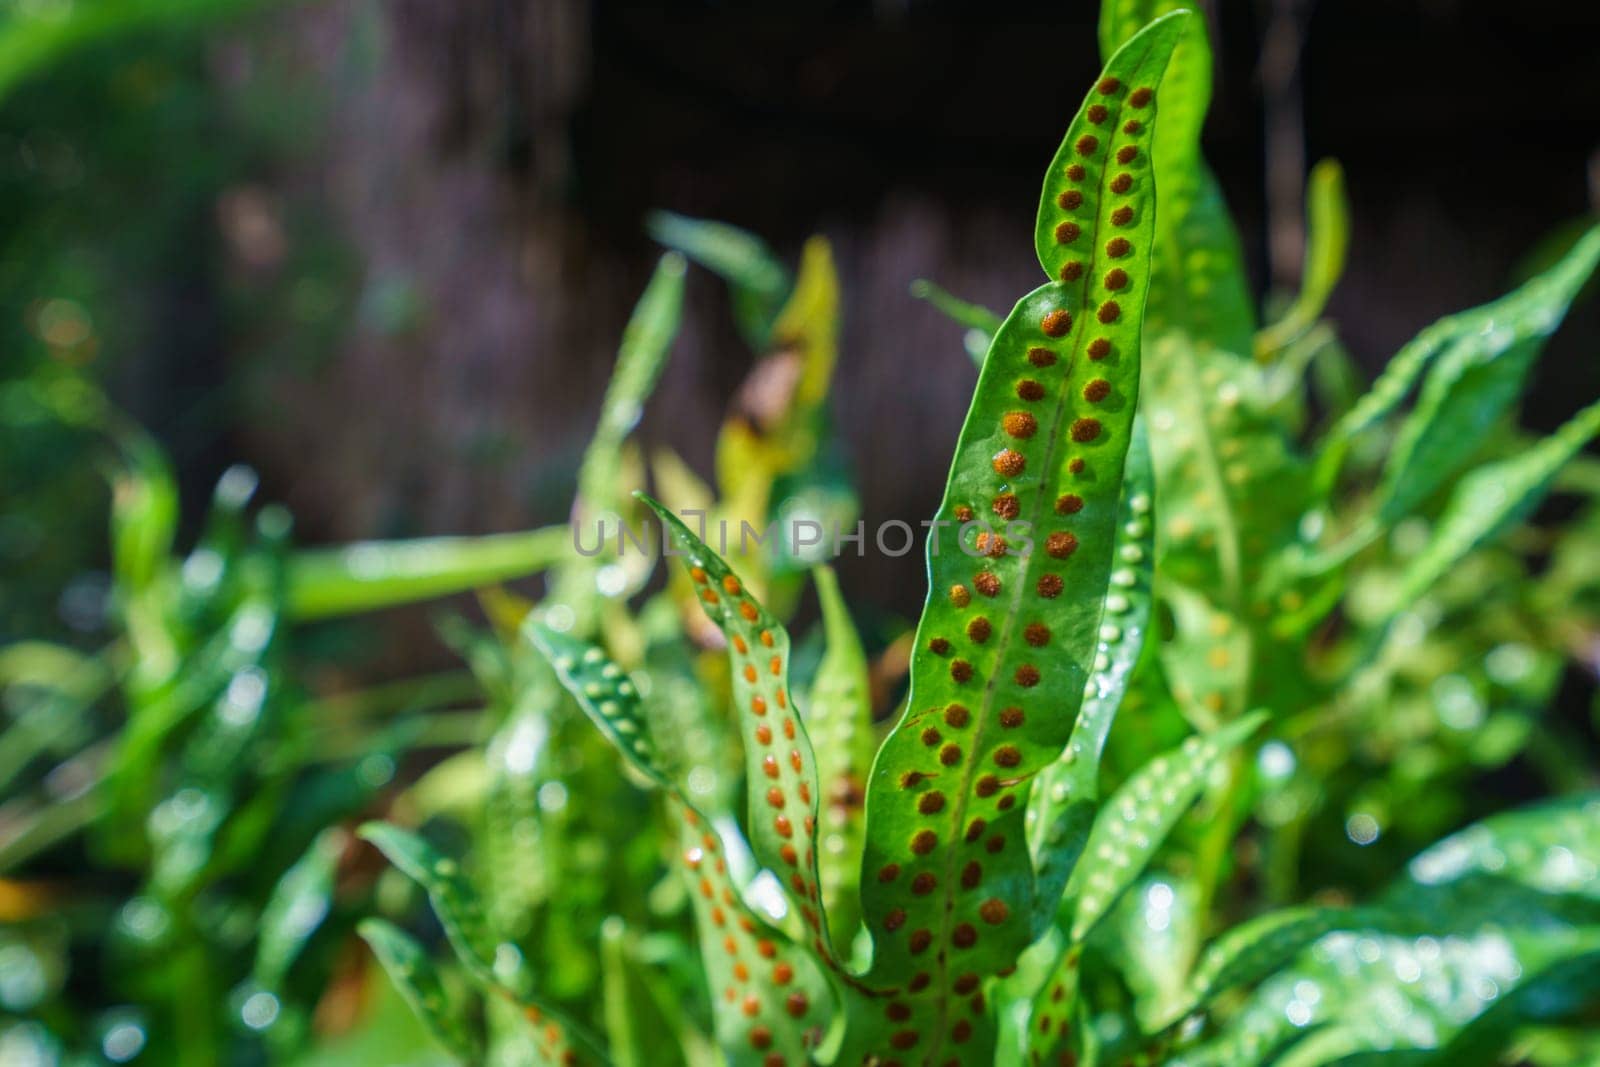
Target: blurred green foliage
x,y
1212,780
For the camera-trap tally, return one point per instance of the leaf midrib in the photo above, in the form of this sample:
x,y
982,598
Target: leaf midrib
x,y
1002,647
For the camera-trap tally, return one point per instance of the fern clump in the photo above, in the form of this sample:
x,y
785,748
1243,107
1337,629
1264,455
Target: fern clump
x,y
1135,524
1183,762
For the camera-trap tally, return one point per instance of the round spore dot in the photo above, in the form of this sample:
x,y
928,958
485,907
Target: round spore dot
x,y
1056,323
1061,544
1008,463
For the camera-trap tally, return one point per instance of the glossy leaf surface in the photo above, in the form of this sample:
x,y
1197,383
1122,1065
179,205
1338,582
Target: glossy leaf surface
x,y
1138,817
1475,341
298,905
607,695
1254,949
1067,793
838,717
1155,929
769,995
1200,288
1477,917
1019,559
1216,456
496,966
457,905
1476,377
414,975
1493,497
780,764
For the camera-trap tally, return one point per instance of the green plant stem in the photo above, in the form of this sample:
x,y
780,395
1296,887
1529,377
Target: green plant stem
x,y
1212,855
1282,864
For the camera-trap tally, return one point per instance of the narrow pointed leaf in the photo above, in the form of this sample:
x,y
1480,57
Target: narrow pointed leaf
x,y
631,1020
838,718
1479,354
1492,498
1210,449
48,692
1008,638
1066,795
158,713
1086,201
496,966
780,765
660,1026
1138,817
769,995
1475,380
607,695
327,582
1551,848
455,902
981,323
1200,289
646,343
1327,240
1563,994
298,905
962,312
144,511
1187,79
1361,992
776,432
758,281
603,512
809,324
413,974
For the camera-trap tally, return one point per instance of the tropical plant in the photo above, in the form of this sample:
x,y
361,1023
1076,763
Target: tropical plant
x,y
1024,883
1189,765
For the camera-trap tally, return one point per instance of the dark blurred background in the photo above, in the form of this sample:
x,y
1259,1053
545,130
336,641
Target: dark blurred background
x,y
383,251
